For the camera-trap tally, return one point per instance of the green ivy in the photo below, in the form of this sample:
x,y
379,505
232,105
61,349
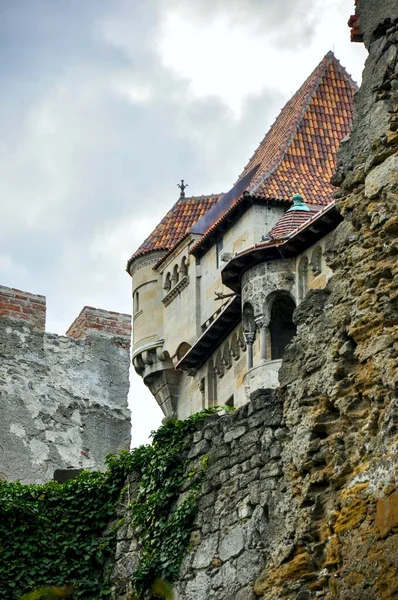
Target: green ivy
x,y
164,525
59,534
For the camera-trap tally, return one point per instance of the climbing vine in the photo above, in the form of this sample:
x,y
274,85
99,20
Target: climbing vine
x,y
59,534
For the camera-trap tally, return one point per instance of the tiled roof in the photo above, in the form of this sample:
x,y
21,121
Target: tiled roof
x,y
290,221
177,222
298,154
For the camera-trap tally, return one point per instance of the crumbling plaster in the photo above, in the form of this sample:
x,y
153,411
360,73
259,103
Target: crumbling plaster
x,y
63,401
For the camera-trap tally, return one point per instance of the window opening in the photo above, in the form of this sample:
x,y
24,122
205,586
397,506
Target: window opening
x,y
136,302
281,327
219,250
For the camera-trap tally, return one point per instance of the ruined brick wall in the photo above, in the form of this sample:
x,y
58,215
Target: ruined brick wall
x,y
16,304
104,322
301,496
63,401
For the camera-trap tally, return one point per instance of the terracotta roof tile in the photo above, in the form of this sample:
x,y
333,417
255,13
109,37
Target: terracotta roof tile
x,y
298,154
290,221
177,222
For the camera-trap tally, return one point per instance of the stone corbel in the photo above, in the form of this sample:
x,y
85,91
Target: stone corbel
x,y
160,355
147,357
138,364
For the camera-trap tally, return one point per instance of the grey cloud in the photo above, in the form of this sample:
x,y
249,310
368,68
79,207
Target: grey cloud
x,y
78,156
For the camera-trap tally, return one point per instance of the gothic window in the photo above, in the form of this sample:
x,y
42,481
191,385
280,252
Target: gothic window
x,y
316,261
302,278
281,327
219,250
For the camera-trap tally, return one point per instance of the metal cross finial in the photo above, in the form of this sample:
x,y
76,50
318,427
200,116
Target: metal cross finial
x,y
182,187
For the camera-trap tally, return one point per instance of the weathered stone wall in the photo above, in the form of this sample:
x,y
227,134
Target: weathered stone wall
x,y
301,495
63,402
239,522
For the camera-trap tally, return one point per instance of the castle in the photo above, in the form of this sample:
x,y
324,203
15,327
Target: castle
x,y
216,283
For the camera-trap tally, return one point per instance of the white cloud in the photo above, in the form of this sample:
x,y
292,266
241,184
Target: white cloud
x,y
231,56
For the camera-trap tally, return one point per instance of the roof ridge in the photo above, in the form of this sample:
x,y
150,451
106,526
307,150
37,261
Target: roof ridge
x,y
321,67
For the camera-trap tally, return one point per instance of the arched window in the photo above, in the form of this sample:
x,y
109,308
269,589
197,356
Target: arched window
x,y
281,327
249,324
167,282
184,267
227,356
235,351
302,278
136,303
316,261
175,276
219,367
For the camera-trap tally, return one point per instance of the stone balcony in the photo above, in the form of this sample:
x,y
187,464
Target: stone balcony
x,y
262,376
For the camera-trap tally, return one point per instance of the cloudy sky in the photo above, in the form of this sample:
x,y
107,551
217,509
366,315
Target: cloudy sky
x,y
106,104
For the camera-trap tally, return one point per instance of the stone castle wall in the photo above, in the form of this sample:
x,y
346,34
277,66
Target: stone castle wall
x,y
301,494
63,400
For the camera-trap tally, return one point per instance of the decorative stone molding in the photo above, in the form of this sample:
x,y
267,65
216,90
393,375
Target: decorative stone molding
x,y
137,314
262,321
177,289
249,337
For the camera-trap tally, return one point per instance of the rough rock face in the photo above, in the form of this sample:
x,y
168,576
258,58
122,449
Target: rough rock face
x,y
63,401
301,495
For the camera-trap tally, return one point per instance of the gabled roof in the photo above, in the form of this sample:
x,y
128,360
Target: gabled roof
x,y
177,222
298,154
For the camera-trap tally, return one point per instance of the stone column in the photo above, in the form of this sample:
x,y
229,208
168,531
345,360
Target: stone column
x,y
262,324
249,339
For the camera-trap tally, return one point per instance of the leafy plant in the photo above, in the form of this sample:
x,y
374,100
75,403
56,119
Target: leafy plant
x,y
56,539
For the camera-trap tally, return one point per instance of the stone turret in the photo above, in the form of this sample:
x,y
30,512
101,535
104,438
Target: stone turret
x,y
150,359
